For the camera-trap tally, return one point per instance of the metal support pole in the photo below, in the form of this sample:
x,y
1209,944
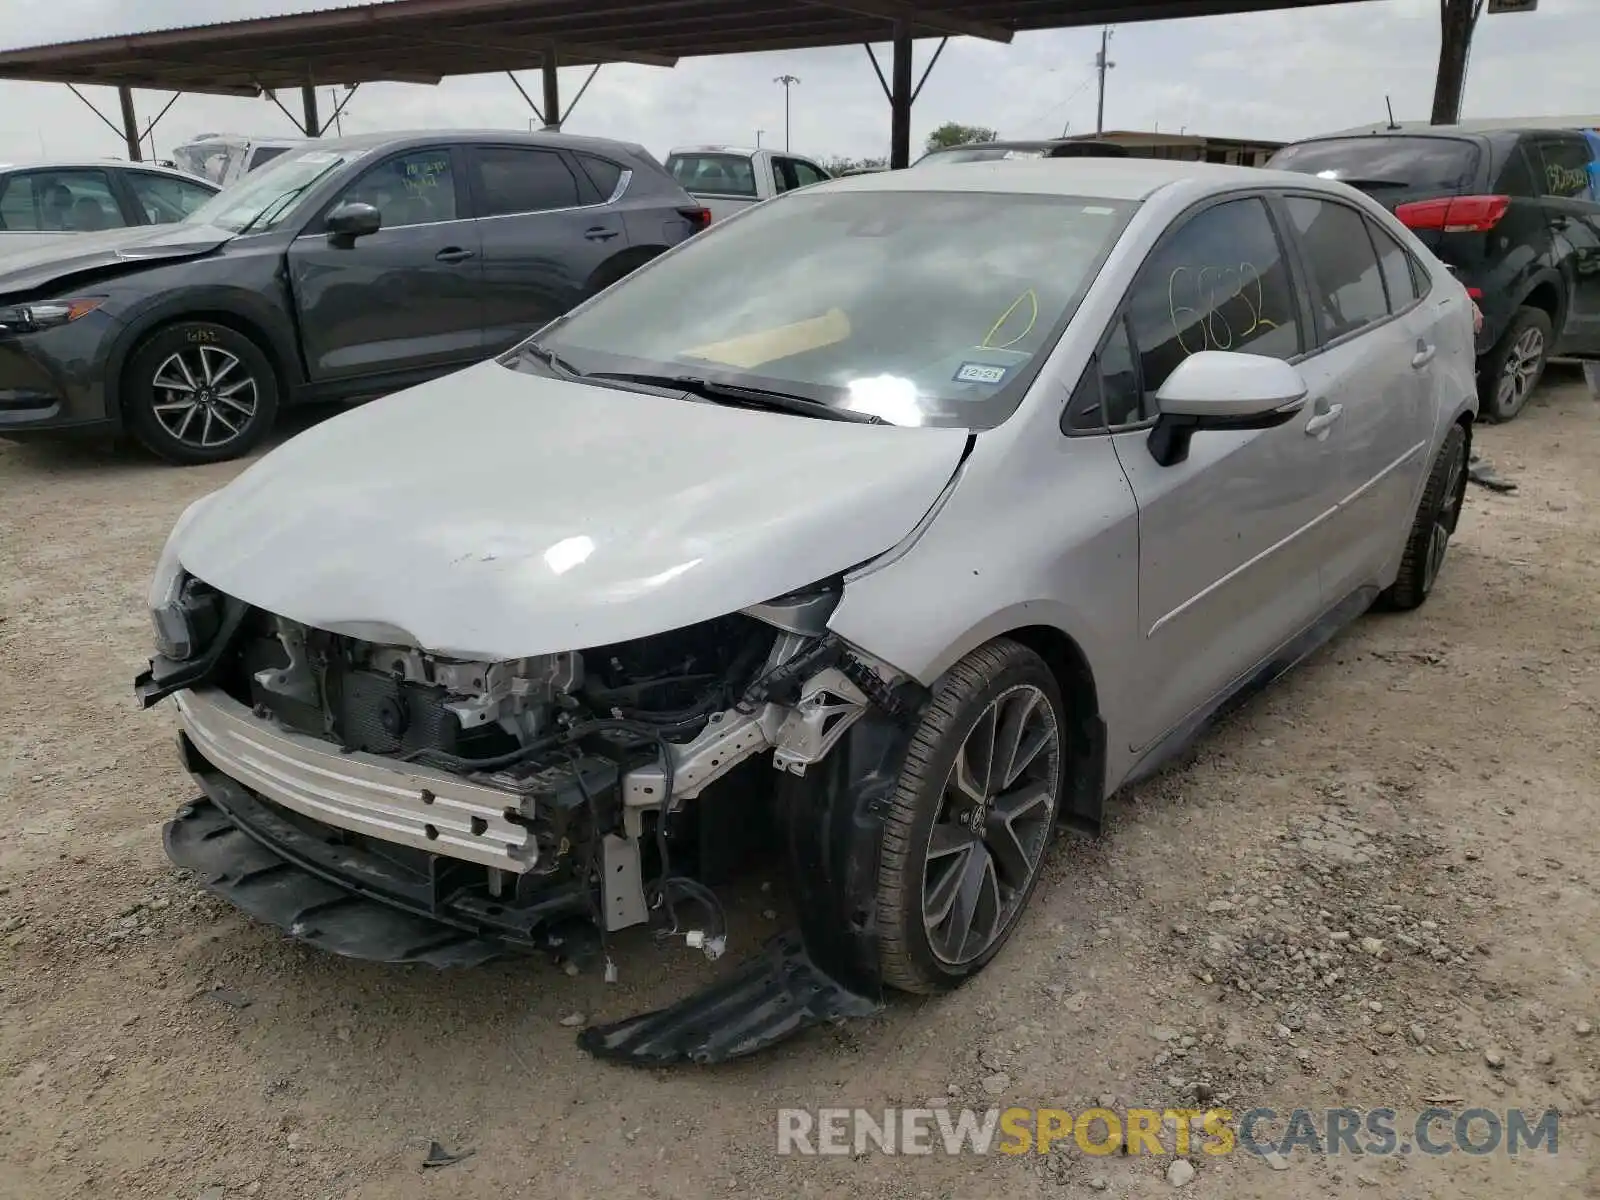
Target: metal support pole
x,y
313,124
900,98
130,124
552,94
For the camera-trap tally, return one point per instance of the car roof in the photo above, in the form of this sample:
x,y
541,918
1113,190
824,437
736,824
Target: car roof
x,y
79,164
1484,128
1101,178
400,139
747,151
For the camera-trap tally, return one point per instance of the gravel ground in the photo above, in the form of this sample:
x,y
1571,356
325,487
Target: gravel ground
x,y
1375,886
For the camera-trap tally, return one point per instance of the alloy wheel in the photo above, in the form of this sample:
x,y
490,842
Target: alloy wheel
x,y
205,397
994,819
1445,518
1523,365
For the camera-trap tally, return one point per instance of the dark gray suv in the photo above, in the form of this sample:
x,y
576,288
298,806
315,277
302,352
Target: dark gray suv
x,y
340,271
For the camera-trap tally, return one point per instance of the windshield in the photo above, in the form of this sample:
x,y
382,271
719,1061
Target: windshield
x,y
923,308
1434,164
264,198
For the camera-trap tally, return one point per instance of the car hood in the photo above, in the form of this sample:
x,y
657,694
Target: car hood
x,y
26,265
495,514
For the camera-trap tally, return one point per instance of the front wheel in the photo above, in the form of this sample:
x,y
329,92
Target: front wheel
x,y
970,818
199,392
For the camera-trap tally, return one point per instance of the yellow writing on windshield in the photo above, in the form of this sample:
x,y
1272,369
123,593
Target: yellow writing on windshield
x,y
1028,302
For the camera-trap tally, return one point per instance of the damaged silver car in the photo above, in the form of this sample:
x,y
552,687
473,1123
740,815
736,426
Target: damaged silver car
x,y
892,524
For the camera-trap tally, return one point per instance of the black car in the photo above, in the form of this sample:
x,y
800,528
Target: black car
x,y
339,271
1511,212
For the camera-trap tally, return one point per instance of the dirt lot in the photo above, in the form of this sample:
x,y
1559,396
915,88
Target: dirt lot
x,y
1430,781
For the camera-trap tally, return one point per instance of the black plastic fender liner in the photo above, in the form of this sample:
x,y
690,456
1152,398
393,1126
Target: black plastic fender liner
x,y
832,821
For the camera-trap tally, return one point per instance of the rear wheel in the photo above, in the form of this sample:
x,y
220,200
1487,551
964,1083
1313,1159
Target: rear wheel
x,y
1512,370
1433,526
199,392
970,818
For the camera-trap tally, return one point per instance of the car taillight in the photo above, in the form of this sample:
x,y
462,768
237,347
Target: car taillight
x,y
698,217
1458,214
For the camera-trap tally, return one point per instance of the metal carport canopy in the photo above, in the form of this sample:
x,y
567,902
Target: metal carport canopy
x,y
424,41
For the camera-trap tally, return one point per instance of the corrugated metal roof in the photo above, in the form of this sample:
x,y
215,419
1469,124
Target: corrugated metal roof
x,y
426,40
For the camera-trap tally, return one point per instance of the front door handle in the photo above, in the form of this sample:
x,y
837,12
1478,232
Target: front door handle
x,y
1423,356
454,254
600,233
1323,421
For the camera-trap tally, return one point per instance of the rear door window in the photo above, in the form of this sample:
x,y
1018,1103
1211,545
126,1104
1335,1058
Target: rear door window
x,y
67,201
515,180
714,174
1395,266
1564,164
1346,284
1386,166
603,173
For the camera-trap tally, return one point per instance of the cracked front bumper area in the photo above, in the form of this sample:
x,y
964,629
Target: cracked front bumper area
x,y
361,896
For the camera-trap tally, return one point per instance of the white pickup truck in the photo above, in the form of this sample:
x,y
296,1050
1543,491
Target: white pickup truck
x,y
728,178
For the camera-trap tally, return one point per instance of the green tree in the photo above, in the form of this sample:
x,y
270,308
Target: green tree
x,y
953,133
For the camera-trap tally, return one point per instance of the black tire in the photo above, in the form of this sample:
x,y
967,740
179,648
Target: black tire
x,y
1511,371
232,383
1003,675
1438,513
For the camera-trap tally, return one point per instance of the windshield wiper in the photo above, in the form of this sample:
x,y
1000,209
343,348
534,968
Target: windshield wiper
x,y
276,207
548,357
751,397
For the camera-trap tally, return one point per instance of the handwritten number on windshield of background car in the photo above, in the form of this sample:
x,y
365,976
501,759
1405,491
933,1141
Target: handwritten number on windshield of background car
x,y
1210,289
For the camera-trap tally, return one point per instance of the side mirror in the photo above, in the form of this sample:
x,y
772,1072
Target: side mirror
x,y
1222,389
351,221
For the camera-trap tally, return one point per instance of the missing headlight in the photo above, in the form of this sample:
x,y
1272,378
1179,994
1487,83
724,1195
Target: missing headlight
x,y
186,623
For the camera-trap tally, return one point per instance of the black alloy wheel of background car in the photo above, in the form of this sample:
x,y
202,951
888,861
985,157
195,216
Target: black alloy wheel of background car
x,y
199,392
1512,370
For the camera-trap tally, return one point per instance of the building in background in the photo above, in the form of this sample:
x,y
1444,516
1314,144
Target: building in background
x,y
1187,147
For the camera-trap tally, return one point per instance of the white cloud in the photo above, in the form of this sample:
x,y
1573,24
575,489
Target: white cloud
x,y
1280,74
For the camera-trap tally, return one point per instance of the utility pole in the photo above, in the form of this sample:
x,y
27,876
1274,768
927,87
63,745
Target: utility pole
x,y
759,132
338,120
1457,20
788,81
1102,65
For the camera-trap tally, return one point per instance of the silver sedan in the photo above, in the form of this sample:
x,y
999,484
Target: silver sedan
x,y
961,496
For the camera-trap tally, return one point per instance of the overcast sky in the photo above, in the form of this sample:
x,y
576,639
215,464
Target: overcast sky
x,y
1278,75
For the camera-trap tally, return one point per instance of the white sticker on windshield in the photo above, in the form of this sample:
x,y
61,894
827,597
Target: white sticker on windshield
x,y
1097,210
975,372
1024,154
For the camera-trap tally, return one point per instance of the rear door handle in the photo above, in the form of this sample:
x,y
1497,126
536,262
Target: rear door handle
x,y
454,254
1322,422
1423,356
600,233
